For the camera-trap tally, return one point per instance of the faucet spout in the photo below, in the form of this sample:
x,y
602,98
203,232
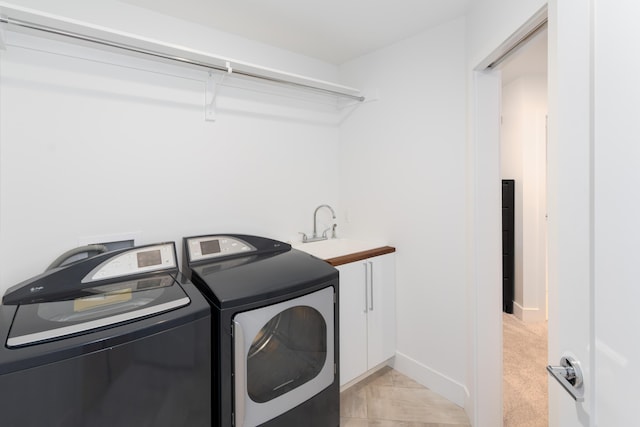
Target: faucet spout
x,y
315,218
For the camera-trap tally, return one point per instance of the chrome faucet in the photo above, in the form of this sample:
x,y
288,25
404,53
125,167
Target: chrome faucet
x,y
315,237
315,221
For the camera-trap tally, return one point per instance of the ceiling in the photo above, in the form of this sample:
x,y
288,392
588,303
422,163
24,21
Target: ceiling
x,y
334,31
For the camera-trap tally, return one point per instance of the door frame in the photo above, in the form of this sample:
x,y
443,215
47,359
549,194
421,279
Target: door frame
x,y
485,273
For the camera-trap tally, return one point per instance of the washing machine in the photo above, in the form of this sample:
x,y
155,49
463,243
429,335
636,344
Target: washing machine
x,y
116,339
275,311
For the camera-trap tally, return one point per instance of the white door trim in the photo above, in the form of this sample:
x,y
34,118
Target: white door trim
x,y
485,273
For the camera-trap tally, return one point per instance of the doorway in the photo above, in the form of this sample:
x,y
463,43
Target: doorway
x,y
523,160
523,141
485,150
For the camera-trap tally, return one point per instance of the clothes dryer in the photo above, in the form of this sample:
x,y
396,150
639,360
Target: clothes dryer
x,y
275,312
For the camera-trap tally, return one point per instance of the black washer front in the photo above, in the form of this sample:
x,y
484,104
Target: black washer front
x,y
152,371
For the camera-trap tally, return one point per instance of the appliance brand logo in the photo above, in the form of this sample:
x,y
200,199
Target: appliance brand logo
x,y
36,289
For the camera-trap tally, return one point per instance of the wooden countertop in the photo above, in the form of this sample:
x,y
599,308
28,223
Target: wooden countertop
x,y
358,256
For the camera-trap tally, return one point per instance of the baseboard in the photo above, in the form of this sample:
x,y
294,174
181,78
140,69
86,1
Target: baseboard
x,y
433,380
371,371
528,314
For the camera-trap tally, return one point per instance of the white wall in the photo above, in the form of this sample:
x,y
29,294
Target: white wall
x,y
403,179
522,151
89,148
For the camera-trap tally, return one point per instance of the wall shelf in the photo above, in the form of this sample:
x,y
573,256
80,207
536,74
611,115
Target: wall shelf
x,y
60,28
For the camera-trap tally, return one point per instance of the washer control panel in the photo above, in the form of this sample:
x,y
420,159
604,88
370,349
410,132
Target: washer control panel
x,y
209,247
135,261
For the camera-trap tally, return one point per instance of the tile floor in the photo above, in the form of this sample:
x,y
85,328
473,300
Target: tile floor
x,y
390,399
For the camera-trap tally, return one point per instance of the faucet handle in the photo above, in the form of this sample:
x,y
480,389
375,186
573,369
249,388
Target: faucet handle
x,y
324,233
304,237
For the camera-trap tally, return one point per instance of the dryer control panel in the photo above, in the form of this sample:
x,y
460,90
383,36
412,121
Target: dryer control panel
x,y
209,247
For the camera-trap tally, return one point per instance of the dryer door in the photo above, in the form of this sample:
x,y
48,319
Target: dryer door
x,y
283,355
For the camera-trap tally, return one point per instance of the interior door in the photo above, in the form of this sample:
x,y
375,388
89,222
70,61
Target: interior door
x,y
617,212
595,211
570,208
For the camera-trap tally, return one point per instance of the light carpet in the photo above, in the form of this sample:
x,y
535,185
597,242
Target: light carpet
x,y
524,373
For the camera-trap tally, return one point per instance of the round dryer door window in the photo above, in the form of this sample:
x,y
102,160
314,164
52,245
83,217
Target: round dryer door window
x,y
288,351
284,354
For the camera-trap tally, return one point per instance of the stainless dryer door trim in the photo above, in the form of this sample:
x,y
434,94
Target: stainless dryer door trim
x,y
249,413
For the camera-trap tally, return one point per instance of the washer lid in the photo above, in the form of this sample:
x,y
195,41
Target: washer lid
x,y
70,280
107,305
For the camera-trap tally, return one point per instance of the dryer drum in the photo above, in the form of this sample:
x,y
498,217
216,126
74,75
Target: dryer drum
x,y
264,336
287,352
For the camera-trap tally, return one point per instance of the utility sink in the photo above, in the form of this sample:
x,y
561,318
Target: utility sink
x,y
334,248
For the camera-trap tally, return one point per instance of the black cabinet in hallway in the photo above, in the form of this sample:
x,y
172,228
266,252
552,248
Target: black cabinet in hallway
x,y
508,250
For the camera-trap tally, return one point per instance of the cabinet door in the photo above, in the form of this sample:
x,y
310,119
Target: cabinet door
x,y
381,319
353,321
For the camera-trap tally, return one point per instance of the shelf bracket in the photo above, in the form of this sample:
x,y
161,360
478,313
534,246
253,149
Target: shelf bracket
x,y
210,93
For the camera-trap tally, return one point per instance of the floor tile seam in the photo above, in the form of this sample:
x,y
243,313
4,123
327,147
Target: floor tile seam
x,y
430,400
386,386
434,415
382,419
390,420
411,422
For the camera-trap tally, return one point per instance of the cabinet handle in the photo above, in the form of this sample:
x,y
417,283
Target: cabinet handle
x,y
371,283
366,289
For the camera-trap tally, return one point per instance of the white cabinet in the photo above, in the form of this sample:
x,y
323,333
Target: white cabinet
x,y
367,315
